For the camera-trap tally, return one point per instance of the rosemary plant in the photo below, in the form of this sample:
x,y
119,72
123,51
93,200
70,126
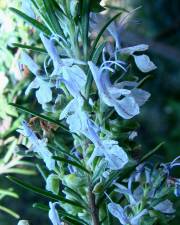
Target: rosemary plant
x,y
89,96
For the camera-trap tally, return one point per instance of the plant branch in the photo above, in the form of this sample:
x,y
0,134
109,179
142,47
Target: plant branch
x,y
93,207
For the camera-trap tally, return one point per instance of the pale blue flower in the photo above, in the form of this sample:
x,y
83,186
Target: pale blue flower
x,y
128,106
117,211
65,71
143,62
80,123
38,146
52,51
44,92
112,152
165,206
78,120
53,214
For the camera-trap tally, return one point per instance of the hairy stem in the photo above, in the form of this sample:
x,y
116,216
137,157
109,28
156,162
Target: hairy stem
x,y
93,207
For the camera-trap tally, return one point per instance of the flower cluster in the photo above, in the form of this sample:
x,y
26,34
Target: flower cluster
x,y
95,90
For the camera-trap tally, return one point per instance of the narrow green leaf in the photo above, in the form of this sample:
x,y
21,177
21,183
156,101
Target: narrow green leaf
x,y
43,193
9,211
152,152
31,21
61,159
101,33
51,8
85,25
8,193
43,117
21,171
42,171
41,50
113,7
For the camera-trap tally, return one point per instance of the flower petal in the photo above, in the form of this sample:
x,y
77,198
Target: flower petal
x,y
23,222
117,211
144,63
53,214
29,62
136,219
140,96
115,155
136,48
127,107
33,85
51,49
165,206
44,94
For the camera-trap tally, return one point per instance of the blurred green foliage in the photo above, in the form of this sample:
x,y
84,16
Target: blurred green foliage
x,y
11,84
